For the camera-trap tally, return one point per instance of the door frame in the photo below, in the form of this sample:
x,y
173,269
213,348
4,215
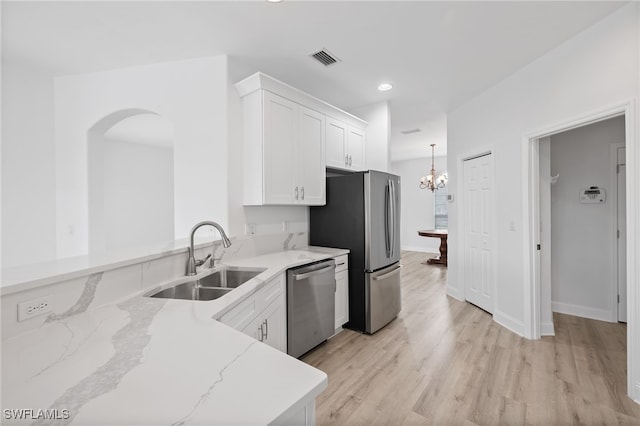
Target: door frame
x,y
613,155
531,211
480,152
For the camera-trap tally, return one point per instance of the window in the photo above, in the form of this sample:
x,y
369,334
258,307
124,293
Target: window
x,y
440,208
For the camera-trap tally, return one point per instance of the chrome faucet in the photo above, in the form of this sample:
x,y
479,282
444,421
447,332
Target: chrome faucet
x,y
192,263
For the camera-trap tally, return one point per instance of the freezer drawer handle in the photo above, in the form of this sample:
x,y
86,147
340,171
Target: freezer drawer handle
x,y
312,273
388,274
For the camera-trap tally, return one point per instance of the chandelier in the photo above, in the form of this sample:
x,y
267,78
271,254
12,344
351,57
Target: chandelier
x,y
430,181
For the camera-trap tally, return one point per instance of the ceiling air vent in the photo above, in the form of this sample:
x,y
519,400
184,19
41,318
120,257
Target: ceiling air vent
x,y
408,132
325,57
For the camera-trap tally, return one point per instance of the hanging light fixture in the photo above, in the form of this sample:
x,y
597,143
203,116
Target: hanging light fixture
x,y
430,181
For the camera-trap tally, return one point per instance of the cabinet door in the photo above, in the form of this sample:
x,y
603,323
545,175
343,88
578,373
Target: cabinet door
x,y
275,325
342,298
280,117
356,146
242,315
310,155
336,142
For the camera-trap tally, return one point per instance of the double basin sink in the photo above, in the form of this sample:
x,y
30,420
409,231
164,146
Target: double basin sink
x,y
208,287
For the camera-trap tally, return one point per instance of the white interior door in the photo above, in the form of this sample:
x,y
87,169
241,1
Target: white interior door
x,y
478,248
622,237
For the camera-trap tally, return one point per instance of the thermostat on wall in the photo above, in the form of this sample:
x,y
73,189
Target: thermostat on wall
x,y
592,195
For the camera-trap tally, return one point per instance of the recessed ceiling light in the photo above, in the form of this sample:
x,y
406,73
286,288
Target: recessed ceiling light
x,y
274,1
383,87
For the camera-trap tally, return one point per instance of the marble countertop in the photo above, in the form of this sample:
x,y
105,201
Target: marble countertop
x,y
145,361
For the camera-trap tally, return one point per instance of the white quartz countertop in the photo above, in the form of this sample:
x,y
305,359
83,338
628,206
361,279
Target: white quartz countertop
x,y
147,361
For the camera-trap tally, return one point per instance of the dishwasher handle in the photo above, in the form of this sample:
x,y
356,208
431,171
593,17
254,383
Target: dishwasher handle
x,y
312,273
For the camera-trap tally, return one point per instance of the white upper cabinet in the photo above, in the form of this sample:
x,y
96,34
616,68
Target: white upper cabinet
x,y
279,147
309,160
345,145
336,143
287,134
355,151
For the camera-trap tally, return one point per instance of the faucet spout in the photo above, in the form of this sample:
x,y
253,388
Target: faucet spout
x,y
191,261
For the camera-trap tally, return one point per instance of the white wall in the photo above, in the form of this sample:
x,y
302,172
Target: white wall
x,y
417,204
28,166
191,94
597,68
581,260
378,134
138,194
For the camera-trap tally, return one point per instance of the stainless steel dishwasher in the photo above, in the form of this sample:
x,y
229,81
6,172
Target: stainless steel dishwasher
x,y
310,306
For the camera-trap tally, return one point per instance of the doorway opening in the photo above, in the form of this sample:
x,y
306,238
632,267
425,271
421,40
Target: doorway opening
x,y
581,267
535,296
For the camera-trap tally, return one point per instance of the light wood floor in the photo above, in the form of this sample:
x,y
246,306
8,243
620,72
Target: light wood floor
x,y
443,361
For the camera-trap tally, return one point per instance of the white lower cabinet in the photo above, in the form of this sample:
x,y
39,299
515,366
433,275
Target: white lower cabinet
x,y
270,326
263,315
342,291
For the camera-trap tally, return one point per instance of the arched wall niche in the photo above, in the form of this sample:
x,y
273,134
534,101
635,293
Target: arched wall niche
x,y
130,174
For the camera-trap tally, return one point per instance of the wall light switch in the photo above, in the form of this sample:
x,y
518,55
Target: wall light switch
x,y
34,307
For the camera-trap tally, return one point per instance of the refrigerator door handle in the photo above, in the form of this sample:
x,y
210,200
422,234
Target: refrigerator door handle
x,y
388,274
387,224
393,218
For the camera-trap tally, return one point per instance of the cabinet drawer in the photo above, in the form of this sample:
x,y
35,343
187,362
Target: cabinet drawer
x,y
342,263
242,315
271,291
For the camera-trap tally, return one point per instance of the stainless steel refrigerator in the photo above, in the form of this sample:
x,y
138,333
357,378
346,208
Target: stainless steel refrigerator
x,y
362,214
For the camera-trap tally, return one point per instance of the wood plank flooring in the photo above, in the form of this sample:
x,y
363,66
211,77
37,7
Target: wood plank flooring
x,y
443,362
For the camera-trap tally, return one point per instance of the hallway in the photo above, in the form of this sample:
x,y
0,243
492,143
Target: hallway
x,y
446,362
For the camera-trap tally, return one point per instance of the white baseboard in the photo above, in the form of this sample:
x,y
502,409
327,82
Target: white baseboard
x,y
583,311
509,322
547,329
420,249
636,397
455,293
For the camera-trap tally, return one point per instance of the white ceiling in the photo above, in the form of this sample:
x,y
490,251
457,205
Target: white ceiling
x,y
437,54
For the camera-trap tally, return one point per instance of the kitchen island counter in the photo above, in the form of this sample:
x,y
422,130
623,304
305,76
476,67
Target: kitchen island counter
x,y
155,361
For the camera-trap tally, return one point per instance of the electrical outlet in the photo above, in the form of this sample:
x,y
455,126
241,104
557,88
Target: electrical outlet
x,y
250,229
34,307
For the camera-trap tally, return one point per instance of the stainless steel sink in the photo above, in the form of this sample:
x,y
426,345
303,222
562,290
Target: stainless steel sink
x,y
229,278
192,291
209,287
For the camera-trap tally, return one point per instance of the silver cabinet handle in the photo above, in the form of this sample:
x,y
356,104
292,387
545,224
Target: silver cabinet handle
x,y
261,338
312,273
346,160
350,160
296,192
302,193
340,264
266,328
388,274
